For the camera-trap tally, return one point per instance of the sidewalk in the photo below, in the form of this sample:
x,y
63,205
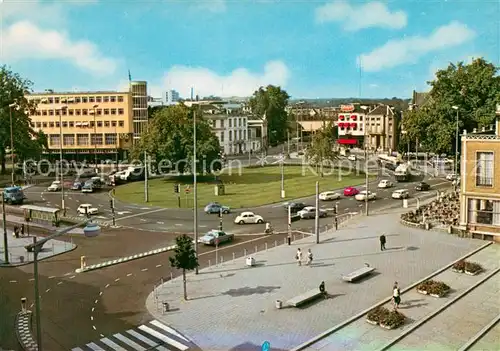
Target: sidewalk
x,y
232,307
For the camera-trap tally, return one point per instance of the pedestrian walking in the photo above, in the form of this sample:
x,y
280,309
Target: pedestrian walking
x,y
382,242
22,229
298,257
336,223
396,296
309,257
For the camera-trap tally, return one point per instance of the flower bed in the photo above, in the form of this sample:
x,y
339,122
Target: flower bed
x,y
392,320
472,268
459,267
376,315
433,288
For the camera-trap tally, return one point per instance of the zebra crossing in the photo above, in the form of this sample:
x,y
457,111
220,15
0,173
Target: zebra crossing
x,y
153,335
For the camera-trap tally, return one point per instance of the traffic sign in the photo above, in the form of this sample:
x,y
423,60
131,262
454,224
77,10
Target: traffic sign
x,y
266,346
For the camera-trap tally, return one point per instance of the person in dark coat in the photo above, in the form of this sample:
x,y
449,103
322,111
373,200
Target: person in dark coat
x,y
382,242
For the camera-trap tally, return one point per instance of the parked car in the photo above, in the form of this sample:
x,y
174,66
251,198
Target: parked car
x,y
351,191
361,196
329,195
215,207
422,186
77,185
13,195
216,237
248,218
294,206
310,212
384,183
451,176
87,209
400,194
55,186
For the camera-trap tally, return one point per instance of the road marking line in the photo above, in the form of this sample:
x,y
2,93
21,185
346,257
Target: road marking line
x,y
59,283
128,275
100,293
13,281
107,286
160,223
141,214
95,302
143,220
72,276
117,279
179,225
144,270
93,309
129,342
158,265
91,318
31,279
47,290
93,327
52,277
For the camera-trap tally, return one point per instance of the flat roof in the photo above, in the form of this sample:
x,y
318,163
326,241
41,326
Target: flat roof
x,y
40,208
99,92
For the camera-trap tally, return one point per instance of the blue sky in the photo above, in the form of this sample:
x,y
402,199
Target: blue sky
x,y
310,48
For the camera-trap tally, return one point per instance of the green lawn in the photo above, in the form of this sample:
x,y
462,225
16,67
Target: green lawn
x,y
253,187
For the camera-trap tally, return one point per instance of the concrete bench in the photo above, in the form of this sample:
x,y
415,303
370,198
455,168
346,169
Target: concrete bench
x,y
305,297
358,274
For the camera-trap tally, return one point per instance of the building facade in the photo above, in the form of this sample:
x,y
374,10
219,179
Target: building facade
x,y
351,126
480,183
171,97
93,125
381,128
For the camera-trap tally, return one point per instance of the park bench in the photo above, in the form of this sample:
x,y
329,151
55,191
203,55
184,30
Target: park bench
x,y
305,297
358,274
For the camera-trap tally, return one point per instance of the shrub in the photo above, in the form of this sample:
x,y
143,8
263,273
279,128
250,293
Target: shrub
x,y
473,267
438,288
377,314
459,266
393,319
424,286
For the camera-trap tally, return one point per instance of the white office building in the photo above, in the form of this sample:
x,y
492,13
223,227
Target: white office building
x,y
172,97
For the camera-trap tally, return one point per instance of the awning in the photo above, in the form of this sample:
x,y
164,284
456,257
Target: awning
x,y
347,141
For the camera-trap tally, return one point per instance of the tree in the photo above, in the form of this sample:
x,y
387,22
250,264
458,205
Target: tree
x,y
12,91
170,139
184,257
321,149
473,88
270,103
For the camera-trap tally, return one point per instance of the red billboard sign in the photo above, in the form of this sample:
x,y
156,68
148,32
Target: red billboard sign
x,y
346,108
347,141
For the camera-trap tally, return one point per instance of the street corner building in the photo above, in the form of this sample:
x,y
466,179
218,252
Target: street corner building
x,y
91,125
480,182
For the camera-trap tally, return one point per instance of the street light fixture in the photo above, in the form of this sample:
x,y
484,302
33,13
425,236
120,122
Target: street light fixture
x,y
365,108
456,141
90,230
61,173
94,112
11,106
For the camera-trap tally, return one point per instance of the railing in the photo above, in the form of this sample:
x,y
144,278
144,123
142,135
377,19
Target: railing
x,y
480,137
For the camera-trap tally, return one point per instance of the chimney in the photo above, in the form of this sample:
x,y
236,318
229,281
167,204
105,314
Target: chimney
x,y
465,131
474,130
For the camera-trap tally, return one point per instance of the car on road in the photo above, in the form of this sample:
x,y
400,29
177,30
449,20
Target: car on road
x,y
13,195
77,185
55,186
329,195
216,237
352,158
215,207
294,206
248,218
351,191
451,176
310,212
362,195
401,194
422,186
84,209
384,183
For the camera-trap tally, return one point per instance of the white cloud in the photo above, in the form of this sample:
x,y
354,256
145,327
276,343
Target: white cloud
x,y
206,82
410,49
25,41
353,18
441,64
215,6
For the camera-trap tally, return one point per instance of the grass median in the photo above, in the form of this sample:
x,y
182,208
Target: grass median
x,y
247,187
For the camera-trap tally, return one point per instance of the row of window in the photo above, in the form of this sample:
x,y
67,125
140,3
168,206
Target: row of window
x,y
71,124
232,122
484,212
81,112
242,135
83,139
82,99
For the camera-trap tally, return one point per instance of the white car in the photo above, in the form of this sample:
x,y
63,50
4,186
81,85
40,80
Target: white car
x,y
55,186
384,183
87,209
363,194
451,176
352,158
400,194
329,195
248,218
310,212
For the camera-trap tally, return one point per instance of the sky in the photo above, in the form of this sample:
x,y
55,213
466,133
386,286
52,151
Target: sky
x,y
312,49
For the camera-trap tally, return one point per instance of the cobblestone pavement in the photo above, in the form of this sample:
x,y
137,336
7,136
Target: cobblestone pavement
x,y
232,307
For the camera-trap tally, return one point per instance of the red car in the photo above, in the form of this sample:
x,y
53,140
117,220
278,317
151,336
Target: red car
x,y
350,191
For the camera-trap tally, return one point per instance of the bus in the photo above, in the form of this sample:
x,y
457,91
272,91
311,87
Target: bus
x,y
402,173
389,162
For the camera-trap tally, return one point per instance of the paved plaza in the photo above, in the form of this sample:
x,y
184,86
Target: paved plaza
x,y
232,307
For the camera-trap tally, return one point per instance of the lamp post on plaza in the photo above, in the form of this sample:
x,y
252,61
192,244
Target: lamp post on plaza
x,y
365,108
91,230
61,175
456,142
12,174
94,112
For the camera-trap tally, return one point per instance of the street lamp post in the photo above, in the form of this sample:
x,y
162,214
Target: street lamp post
x,y
364,108
282,157
61,175
5,239
90,230
456,142
12,174
195,192
95,137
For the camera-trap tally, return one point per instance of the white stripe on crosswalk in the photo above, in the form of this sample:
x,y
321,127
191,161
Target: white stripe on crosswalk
x,y
113,345
94,347
168,329
162,348
129,342
164,338
142,338
76,349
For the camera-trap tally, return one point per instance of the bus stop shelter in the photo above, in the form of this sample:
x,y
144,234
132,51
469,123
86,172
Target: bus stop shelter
x,y
47,215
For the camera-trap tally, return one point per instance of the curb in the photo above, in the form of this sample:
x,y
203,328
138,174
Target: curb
x,y
23,331
337,327
124,259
